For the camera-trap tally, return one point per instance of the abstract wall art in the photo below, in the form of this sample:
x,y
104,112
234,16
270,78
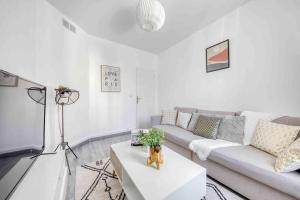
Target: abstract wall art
x,y
217,56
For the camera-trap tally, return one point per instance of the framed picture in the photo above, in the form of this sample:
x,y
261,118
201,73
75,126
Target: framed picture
x,y
8,80
110,79
217,56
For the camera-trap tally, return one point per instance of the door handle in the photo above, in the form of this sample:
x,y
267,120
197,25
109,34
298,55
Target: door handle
x,y
138,99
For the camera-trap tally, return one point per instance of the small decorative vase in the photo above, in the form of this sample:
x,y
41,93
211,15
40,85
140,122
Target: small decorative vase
x,y
155,156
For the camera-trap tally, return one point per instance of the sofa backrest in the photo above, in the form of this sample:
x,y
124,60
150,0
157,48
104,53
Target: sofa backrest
x,y
213,112
292,121
186,110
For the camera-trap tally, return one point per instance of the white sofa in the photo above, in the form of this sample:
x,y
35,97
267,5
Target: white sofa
x,y
245,169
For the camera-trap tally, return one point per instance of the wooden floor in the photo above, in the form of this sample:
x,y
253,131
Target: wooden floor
x,y
89,152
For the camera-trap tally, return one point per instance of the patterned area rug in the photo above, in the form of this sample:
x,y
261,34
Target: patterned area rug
x,y
95,181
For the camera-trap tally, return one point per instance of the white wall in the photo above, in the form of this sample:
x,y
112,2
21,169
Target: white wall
x,y
264,58
62,59
36,46
115,111
17,37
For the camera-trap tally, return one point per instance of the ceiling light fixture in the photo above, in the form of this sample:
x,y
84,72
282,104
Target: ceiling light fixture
x,y
150,15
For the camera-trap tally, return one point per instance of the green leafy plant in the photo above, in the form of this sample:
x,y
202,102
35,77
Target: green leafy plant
x,y
152,139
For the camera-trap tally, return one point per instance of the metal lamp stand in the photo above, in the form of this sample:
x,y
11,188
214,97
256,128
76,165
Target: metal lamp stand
x,y
64,144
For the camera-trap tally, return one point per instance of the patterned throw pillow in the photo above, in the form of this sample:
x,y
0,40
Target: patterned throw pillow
x,y
169,117
252,119
289,159
273,138
207,127
183,119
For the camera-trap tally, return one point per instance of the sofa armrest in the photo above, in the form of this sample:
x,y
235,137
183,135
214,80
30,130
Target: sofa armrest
x,y
155,120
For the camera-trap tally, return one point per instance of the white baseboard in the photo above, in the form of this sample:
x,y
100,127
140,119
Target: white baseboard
x,y
15,149
98,135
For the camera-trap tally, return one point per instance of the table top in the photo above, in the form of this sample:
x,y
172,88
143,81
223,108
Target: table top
x,y
175,172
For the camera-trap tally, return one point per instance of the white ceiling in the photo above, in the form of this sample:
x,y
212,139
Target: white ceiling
x,y
115,19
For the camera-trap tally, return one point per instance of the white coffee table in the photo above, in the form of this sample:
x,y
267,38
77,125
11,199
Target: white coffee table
x,y
178,177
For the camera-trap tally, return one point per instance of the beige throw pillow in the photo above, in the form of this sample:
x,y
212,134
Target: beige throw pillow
x,y
272,137
289,159
183,119
193,122
169,117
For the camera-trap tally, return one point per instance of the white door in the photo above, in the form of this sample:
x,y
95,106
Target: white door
x,y
146,97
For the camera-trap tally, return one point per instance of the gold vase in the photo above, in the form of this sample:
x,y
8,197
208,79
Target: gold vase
x,y
155,156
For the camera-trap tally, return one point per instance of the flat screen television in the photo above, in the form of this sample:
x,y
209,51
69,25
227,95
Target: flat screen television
x,y
22,128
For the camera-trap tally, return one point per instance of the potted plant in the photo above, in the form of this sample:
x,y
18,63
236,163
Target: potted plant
x,y
153,139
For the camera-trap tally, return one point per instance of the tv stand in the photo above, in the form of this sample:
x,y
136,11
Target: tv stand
x,y
43,180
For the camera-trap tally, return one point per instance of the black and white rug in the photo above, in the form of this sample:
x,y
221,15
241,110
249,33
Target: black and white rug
x,y
95,181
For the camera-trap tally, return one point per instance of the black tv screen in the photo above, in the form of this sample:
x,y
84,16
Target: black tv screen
x,y
22,128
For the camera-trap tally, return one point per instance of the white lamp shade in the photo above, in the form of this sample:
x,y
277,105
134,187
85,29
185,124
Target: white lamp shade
x,y
150,15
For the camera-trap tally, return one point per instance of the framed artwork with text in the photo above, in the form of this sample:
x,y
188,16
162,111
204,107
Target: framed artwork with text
x,y
110,79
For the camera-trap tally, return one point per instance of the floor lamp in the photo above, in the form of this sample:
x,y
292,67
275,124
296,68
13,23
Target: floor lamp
x,y
64,97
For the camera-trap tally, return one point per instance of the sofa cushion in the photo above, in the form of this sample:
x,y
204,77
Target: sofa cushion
x,y
178,135
257,165
232,128
169,117
183,119
207,127
289,159
252,119
272,137
193,121
195,116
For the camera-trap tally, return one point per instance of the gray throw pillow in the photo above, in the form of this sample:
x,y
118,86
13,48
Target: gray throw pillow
x,y
207,127
232,128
